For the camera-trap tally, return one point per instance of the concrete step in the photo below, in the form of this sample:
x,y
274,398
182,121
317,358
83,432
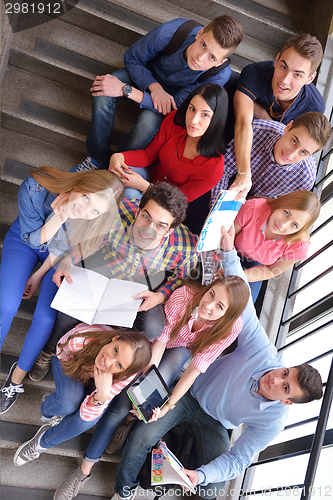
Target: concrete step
x,y
49,111
258,21
50,470
66,54
16,163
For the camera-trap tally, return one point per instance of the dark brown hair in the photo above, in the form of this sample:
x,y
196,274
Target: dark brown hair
x,y
317,125
310,382
227,32
168,197
307,46
238,293
81,364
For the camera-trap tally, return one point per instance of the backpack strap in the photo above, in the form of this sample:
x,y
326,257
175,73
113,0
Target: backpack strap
x,y
175,42
179,36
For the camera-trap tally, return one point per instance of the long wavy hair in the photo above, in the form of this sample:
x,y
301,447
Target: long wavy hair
x,y
238,293
81,364
85,236
298,200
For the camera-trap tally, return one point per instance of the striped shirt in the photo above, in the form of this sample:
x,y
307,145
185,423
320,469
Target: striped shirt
x,y
75,344
268,178
175,309
175,253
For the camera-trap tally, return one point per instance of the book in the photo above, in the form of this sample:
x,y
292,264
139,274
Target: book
x,y
166,468
94,299
222,213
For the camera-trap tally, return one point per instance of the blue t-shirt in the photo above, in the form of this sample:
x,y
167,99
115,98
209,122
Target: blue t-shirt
x,y
255,81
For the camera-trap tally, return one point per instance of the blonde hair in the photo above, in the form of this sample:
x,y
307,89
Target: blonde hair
x,y
81,364
238,293
85,235
298,200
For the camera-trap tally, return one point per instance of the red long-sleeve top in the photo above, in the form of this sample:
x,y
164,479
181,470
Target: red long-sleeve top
x,y
193,177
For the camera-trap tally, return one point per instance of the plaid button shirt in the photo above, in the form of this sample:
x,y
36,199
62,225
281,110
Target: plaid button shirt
x,y
176,253
268,178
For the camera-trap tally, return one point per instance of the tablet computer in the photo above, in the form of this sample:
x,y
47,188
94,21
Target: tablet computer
x,y
148,391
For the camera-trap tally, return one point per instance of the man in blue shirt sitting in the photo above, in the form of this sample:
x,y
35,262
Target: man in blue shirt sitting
x,y
281,90
250,386
158,82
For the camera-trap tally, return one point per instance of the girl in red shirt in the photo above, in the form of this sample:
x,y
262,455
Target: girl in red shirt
x,y
187,151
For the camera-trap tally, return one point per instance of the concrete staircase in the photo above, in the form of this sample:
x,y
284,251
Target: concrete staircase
x,y
45,115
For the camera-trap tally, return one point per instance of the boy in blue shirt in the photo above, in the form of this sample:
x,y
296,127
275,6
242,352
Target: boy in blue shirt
x,y
158,82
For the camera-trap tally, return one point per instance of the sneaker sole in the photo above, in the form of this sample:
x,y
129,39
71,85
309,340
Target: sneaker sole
x,y
34,379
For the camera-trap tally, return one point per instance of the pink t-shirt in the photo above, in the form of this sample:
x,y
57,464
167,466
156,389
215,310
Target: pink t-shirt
x,y
251,243
175,309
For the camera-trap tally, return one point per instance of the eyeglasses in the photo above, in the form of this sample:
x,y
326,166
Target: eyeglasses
x,y
160,228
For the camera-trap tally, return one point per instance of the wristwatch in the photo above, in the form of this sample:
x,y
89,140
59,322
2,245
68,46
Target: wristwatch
x,y
127,89
95,402
171,407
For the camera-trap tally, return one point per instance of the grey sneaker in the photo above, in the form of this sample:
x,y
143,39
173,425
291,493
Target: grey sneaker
x,y
9,391
71,486
120,436
28,451
41,366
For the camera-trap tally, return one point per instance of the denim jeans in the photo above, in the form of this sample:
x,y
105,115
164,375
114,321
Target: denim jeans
x,y
18,261
211,440
255,285
135,194
170,366
66,400
102,121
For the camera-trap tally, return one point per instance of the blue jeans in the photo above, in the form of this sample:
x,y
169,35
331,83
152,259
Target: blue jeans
x,y
135,194
170,366
255,285
211,440
102,121
66,400
18,261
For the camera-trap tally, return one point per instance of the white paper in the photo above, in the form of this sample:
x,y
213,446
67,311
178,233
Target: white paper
x,y
94,299
81,299
223,213
118,301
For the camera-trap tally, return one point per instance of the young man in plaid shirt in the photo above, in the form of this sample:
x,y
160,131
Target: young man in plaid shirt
x,y
282,158
146,244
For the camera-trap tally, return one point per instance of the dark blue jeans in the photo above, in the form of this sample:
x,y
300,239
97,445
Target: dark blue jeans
x,y
66,400
170,366
255,285
102,121
211,440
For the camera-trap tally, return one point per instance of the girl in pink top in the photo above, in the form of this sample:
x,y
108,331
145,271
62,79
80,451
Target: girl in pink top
x,y
92,365
272,234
